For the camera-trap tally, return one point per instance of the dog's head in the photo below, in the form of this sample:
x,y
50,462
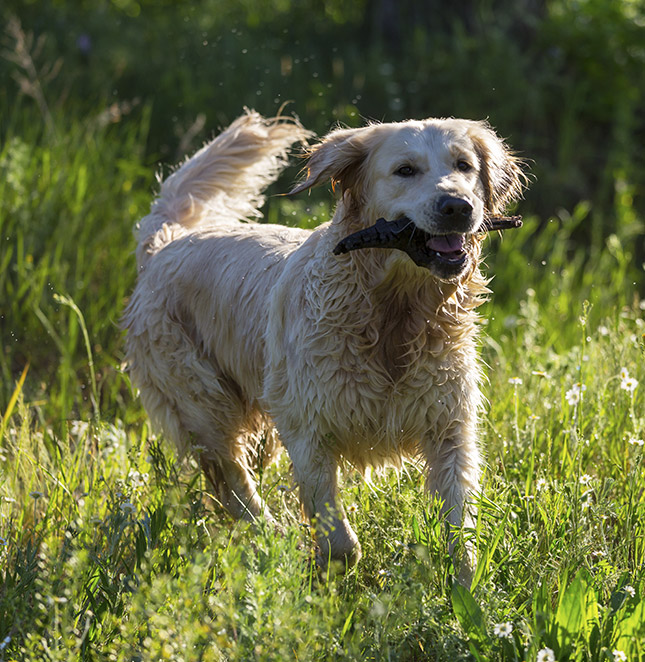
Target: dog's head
x,y
444,175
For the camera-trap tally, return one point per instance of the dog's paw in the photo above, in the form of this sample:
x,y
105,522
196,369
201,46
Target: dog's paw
x,y
338,565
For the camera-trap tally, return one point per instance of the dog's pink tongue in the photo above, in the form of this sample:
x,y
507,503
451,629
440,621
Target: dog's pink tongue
x,y
449,243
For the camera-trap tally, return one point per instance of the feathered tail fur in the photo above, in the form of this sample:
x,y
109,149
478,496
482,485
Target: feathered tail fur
x,y
227,177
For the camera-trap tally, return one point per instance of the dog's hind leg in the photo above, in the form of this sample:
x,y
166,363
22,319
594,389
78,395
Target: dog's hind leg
x,y
189,397
235,488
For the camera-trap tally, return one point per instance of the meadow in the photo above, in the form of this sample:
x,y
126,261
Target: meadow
x,y
113,548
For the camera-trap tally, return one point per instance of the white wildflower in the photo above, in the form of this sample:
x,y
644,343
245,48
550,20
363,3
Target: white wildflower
x,y
545,655
137,479
540,484
128,508
603,330
629,384
78,429
574,394
630,590
541,373
635,442
585,479
624,374
515,381
619,656
503,630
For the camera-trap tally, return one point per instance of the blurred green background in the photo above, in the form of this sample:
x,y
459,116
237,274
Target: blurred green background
x,y
96,96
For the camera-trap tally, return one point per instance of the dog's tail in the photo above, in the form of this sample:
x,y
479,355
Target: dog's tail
x,y
224,180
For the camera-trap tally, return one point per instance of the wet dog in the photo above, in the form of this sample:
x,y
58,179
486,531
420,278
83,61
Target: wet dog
x,y
243,335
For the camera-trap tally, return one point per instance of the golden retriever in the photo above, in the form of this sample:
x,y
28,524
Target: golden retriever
x,y
241,334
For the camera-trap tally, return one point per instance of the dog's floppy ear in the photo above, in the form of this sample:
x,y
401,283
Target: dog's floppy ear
x,y
339,157
500,169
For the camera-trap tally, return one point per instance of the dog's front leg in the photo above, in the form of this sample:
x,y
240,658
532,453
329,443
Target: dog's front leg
x,y
453,474
316,472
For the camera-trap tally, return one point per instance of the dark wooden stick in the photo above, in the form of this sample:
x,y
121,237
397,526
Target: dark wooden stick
x,y
402,233
493,223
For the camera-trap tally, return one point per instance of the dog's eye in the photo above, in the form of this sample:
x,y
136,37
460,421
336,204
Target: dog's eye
x,y
406,171
464,166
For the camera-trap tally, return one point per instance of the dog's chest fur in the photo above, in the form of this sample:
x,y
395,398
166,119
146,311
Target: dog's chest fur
x,y
380,370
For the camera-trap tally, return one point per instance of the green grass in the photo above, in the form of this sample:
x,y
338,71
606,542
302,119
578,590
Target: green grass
x,y
113,549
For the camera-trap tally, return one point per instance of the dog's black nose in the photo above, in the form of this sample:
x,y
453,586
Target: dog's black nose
x,y
456,208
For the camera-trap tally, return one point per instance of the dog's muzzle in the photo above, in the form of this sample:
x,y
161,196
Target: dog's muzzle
x,y
456,211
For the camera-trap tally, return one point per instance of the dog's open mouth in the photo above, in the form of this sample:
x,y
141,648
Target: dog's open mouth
x,y
448,247
448,251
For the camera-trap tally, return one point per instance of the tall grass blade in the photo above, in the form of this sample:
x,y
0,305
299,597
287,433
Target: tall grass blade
x,y
69,302
13,399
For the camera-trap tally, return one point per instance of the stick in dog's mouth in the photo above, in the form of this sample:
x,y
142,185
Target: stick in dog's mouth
x,y
422,247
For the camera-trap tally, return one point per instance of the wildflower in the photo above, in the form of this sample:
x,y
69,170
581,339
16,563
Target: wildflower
x,y
545,655
35,495
352,508
5,642
3,541
78,429
503,630
137,479
619,656
283,488
541,373
585,479
127,508
629,384
573,397
540,484
635,442
603,330
630,590
624,374
515,381
574,394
